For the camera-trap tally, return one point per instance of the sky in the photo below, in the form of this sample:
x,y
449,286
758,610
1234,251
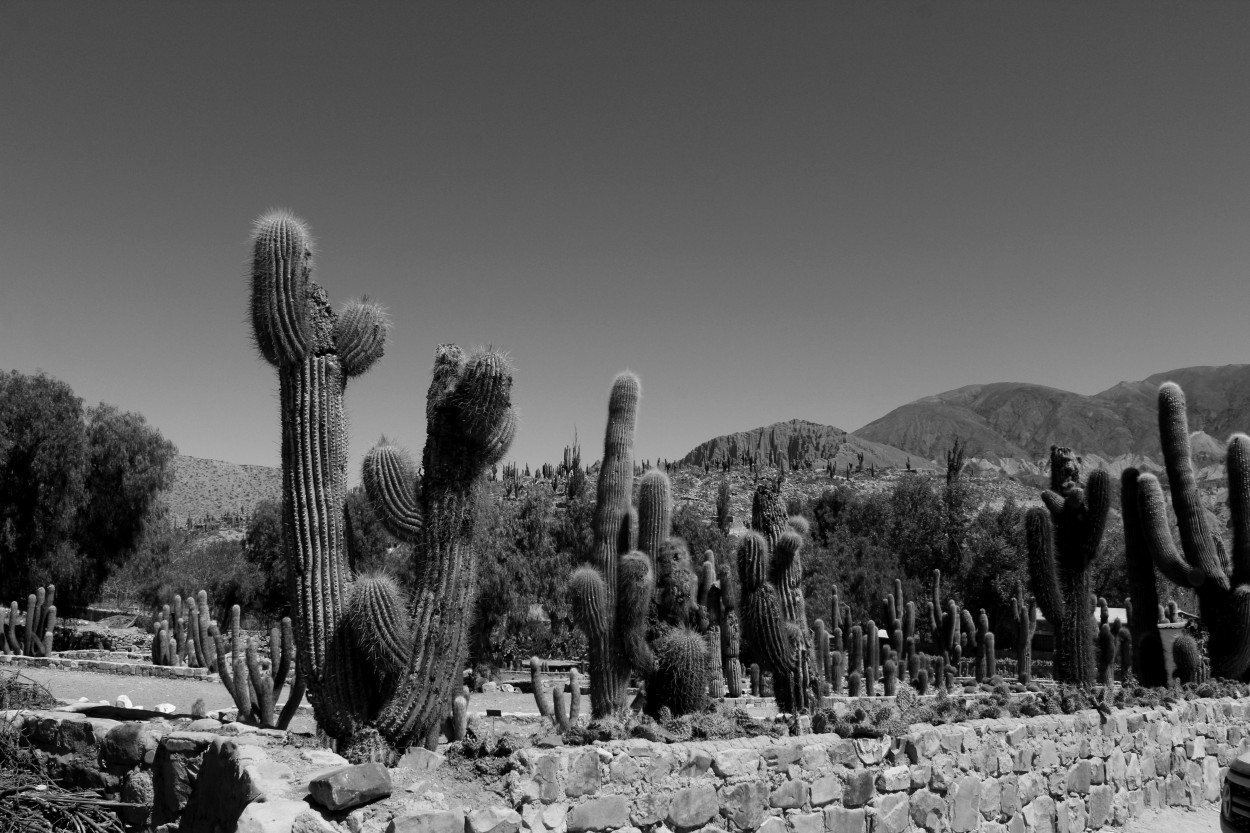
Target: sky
x,y
806,210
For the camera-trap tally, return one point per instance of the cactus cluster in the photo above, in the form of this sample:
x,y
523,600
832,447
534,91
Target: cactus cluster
x,y
38,629
181,634
1063,540
1024,617
560,711
373,709
1219,575
770,578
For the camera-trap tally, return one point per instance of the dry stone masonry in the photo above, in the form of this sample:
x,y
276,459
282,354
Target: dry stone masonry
x,y
1049,774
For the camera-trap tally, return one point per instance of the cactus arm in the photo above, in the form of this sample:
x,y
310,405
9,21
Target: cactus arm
x,y
377,614
469,422
1043,577
1196,538
635,588
388,477
1152,508
575,697
360,335
1238,469
655,510
281,261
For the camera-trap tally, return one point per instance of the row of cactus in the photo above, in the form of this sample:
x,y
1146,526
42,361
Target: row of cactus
x,y
181,634
39,629
380,669
253,685
560,710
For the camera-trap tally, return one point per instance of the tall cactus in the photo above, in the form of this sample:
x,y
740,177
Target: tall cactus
x,y
1221,582
1147,653
1063,541
1024,615
369,711
635,563
770,573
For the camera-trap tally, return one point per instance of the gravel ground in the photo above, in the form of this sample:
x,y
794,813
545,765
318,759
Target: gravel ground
x,y
1176,820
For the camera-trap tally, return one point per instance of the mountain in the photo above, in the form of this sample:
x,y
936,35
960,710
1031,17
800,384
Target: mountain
x,y
215,489
1015,421
798,441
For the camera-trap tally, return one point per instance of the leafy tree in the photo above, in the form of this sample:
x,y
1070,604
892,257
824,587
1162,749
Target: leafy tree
x,y
265,552
128,464
42,465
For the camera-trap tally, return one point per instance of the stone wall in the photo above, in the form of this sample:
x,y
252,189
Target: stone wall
x,y
1053,774
117,663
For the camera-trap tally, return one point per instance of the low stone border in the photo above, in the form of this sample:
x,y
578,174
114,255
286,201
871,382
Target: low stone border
x,y
105,667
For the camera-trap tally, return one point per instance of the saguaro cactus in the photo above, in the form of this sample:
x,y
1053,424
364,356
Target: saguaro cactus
x,y
1221,583
372,710
1063,540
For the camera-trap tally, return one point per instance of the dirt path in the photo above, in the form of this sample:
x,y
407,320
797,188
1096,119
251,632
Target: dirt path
x,y
149,691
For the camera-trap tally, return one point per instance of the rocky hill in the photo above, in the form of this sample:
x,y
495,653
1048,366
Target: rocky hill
x,y
799,442
1011,425
214,489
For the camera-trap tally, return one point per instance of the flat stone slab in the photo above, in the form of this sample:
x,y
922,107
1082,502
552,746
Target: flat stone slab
x,y
351,786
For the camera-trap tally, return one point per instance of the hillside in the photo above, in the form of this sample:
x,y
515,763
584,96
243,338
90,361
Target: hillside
x,y
799,442
213,488
1012,425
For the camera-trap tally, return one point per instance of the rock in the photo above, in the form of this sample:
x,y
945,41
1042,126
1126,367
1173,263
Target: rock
x,y
859,788
138,790
842,820
826,790
965,796
806,822
310,821
204,724
892,815
351,786
165,708
624,770
419,759
745,804
123,702
489,687
1100,799
729,763
429,821
128,745
583,777
507,688
270,816
494,820
236,728
1079,778
323,758
693,806
698,763
928,810
607,813
791,795
894,779
773,824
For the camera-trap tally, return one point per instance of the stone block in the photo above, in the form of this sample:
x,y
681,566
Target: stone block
x,y
894,779
351,786
692,807
844,820
1039,815
1079,778
608,812
928,810
806,822
892,814
790,795
826,790
1100,799
965,801
583,777
732,763
273,817
129,745
428,821
744,805
494,820
859,788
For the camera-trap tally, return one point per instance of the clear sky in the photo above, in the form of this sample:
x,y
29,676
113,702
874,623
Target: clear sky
x,y
767,211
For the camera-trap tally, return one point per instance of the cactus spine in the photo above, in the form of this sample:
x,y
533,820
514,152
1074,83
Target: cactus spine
x,y
1063,540
1221,583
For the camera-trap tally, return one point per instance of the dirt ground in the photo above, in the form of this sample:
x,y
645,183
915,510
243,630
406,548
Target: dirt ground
x,y
149,691
1176,820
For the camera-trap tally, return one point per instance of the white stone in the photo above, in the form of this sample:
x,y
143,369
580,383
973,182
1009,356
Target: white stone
x,y
165,708
123,702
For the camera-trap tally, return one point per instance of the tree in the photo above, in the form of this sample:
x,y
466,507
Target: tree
x,y
128,464
42,462
266,553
